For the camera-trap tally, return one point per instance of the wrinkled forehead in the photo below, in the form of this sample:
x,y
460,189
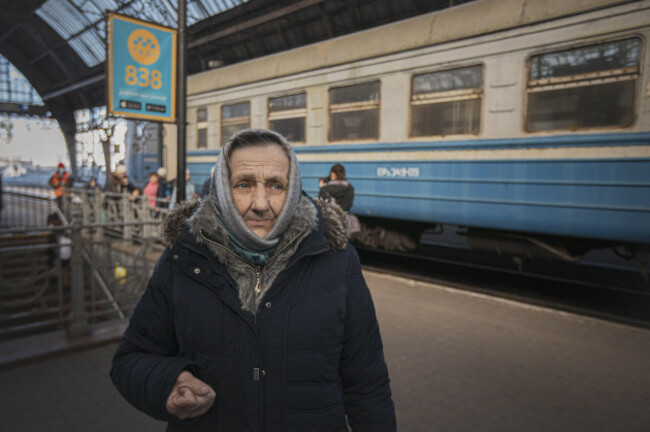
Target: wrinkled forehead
x,y
235,147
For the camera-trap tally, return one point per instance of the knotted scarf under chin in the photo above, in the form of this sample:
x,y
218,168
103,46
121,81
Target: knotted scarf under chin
x,y
250,244
258,259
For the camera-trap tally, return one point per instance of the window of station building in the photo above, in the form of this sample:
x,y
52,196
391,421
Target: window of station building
x,y
586,87
202,128
447,102
287,116
235,117
354,112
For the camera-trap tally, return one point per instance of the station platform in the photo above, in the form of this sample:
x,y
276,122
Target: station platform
x,y
458,361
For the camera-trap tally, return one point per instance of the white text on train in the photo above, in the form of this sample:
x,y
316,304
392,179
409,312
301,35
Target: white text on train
x,y
398,172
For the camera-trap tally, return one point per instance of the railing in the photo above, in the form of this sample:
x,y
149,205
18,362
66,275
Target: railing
x,y
122,215
31,283
26,206
91,264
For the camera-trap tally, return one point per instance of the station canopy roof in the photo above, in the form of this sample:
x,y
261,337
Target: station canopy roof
x,y
60,45
82,24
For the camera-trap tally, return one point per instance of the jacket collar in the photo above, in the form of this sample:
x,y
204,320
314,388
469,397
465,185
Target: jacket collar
x,y
316,227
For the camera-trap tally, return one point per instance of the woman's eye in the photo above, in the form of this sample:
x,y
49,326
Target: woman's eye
x,y
242,185
277,187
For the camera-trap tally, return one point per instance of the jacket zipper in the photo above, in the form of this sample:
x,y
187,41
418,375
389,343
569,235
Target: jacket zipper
x,y
258,275
258,271
256,371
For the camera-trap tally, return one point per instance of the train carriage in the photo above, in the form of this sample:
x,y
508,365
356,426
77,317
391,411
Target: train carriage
x,y
520,117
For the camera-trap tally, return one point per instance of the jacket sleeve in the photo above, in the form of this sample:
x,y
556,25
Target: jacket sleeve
x,y
366,386
145,365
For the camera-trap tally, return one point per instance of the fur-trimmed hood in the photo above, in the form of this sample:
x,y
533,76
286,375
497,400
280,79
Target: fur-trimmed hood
x,y
202,218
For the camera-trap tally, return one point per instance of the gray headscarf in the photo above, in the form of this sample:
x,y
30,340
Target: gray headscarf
x,y
220,188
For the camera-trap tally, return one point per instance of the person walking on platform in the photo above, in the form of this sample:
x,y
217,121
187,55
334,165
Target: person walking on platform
x,y
190,187
62,251
205,189
59,180
120,183
257,315
151,189
337,188
164,188
92,188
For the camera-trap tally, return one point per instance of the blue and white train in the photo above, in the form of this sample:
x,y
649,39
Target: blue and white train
x,y
524,118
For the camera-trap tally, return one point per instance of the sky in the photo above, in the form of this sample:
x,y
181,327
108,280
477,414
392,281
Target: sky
x,y
42,143
39,141
33,140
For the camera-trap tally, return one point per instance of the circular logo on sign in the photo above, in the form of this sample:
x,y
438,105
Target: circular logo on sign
x,y
144,46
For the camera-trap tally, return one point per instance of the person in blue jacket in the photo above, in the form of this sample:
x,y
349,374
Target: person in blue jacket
x,y
257,316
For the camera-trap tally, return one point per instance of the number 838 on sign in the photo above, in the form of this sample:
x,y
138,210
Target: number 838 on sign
x,y
142,77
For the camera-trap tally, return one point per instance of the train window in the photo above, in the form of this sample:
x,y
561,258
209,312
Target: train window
x,y
287,116
447,102
202,128
235,117
354,112
586,87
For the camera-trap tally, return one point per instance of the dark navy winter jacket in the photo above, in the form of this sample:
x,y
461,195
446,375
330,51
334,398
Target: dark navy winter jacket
x,y
309,357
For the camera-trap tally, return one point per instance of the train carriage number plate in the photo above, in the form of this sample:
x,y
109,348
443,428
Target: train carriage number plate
x,y
398,172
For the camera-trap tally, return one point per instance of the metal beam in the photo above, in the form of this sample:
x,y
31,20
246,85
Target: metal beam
x,y
23,109
202,8
254,22
327,21
356,16
55,58
20,23
75,86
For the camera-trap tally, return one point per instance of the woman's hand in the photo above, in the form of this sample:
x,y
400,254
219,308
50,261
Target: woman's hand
x,y
190,397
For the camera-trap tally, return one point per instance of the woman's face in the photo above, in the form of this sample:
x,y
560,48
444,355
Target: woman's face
x,y
153,178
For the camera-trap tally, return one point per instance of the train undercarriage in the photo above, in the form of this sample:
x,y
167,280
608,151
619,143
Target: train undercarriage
x,y
520,247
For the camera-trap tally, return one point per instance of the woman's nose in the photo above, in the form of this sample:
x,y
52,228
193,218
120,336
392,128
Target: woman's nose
x,y
260,199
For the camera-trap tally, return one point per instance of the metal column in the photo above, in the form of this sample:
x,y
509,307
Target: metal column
x,y
181,98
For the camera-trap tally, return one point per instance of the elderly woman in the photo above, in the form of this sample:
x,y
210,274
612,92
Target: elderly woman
x,y
257,316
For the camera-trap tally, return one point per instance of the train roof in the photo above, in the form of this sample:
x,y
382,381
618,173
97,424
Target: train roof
x,y
461,22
